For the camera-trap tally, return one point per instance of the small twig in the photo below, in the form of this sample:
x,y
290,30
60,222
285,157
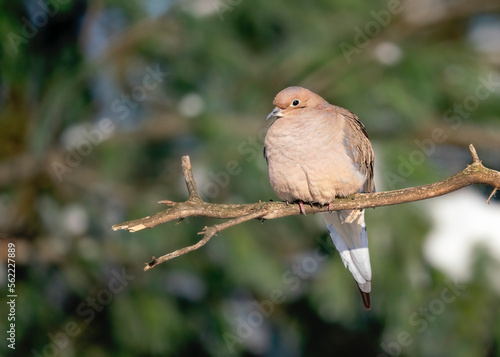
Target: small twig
x,y
188,177
239,213
177,253
492,194
475,158
208,233
167,202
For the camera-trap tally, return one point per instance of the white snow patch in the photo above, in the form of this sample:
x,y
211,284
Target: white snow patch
x,y
462,221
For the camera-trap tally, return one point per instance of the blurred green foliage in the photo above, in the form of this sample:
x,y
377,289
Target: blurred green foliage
x,y
65,67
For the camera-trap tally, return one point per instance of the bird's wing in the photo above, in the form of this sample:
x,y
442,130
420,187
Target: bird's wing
x,y
358,147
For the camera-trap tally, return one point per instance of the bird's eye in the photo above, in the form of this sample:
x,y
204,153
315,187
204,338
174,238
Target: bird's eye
x,y
295,102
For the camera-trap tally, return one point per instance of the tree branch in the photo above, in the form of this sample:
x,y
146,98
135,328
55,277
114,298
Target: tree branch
x,y
239,213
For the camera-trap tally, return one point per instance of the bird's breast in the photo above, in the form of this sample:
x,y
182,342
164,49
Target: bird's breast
x,y
309,163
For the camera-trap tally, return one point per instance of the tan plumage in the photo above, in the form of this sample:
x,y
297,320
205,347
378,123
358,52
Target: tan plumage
x,y
315,152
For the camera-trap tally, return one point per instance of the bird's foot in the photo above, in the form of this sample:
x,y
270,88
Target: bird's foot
x,y
330,207
301,206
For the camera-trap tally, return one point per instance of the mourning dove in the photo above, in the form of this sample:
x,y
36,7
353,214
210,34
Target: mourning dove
x,y
315,152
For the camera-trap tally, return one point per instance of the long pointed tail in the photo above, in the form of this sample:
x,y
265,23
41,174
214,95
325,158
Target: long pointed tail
x,y
348,231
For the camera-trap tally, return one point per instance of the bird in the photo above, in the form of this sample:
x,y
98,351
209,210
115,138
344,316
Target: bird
x,y
316,152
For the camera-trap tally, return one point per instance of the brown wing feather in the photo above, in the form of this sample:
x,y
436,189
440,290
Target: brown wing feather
x,y
358,147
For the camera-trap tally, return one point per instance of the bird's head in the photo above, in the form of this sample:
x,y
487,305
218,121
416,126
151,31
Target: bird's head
x,y
293,100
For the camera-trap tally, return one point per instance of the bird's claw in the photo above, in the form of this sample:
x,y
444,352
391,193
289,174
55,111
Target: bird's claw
x,y
301,206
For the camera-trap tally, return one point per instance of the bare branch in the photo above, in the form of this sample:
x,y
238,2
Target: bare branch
x,y
239,213
475,158
492,194
208,233
188,177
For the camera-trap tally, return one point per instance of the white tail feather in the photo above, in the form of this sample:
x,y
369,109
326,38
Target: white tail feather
x,y
351,240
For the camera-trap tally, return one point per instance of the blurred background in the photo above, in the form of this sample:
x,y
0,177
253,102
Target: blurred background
x,y
99,100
